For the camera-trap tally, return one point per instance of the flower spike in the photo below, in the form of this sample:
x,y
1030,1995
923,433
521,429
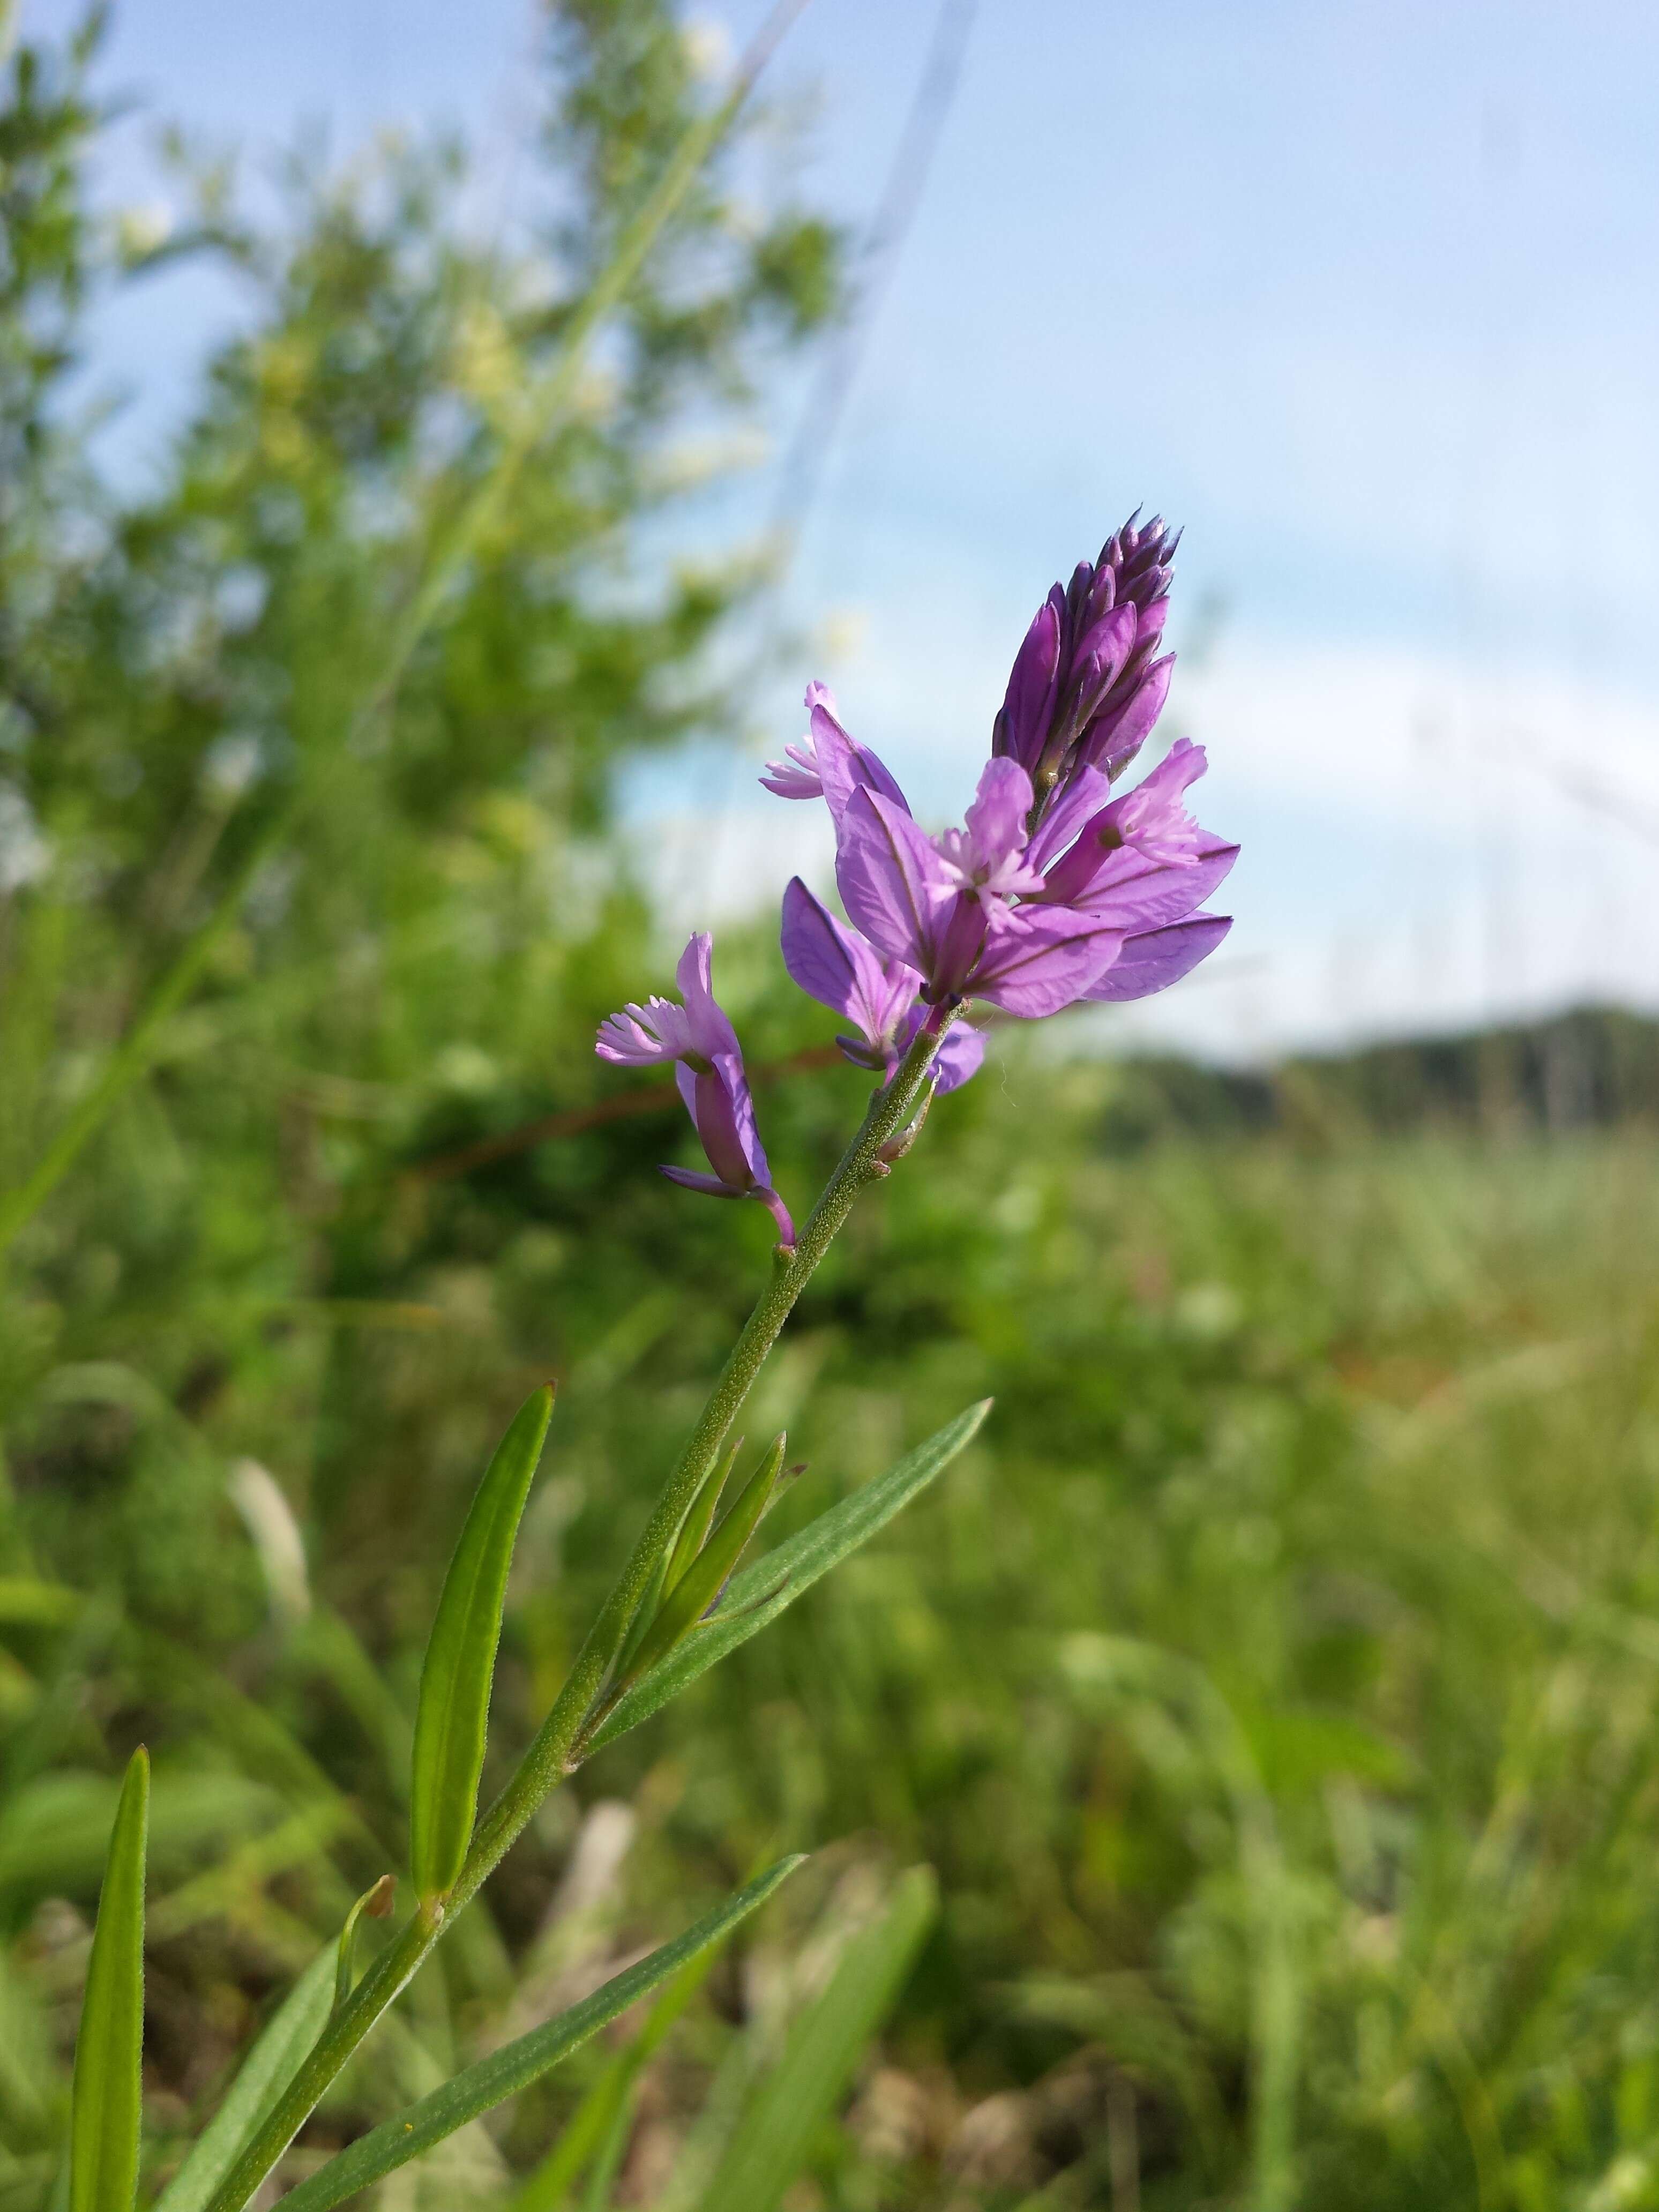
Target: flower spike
x,y
1087,683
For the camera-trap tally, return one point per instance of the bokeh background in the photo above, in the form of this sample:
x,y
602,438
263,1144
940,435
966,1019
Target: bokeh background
x,y
1272,1689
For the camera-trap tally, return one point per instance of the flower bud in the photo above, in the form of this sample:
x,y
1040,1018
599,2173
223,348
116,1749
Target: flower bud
x,y
1088,683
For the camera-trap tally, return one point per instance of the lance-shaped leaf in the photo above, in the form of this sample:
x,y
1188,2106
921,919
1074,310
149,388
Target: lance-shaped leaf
x,y
264,2073
674,1561
453,1716
766,1587
106,2110
694,1533
702,1580
776,2136
514,2066
649,1605
599,2127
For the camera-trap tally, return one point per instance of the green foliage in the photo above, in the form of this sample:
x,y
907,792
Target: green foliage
x,y
288,2036
108,2100
452,1718
689,1644
508,2072
695,1589
598,2129
374,1904
1271,1687
770,2143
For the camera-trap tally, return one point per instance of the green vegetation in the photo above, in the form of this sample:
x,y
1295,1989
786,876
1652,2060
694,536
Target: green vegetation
x,y
1271,1687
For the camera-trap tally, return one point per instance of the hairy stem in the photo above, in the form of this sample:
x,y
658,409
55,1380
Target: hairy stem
x,y
558,1747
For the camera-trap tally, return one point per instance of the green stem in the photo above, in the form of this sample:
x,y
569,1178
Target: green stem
x,y
558,1747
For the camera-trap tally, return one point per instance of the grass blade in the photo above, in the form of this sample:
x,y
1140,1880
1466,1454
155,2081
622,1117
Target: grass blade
x,y
776,2136
264,2075
108,2107
454,1716
763,1589
505,2072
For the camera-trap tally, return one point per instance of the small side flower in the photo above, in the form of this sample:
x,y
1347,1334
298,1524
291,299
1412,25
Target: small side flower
x,y
698,1038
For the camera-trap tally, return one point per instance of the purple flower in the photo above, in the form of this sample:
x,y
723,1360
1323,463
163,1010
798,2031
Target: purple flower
x,y
943,908
1054,890
1141,861
1087,685
834,965
827,763
701,1042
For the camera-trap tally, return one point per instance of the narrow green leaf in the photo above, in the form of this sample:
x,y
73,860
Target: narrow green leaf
x,y
764,1589
695,1532
453,1715
107,2109
264,2075
701,1583
643,1617
673,1565
376,1903
605,2112
774,2137
514,2068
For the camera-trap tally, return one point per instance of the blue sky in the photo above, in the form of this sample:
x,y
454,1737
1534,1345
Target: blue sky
x,y
1364,295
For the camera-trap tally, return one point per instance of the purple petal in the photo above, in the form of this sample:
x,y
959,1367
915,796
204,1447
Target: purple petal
x,y
629,1039
843,765
988,856
711,1033
960,943
1038,959
1153,816
1136,892
795,776
1162,956
833,965
1084,793
894,883
723,1114
1104,648
1029,705
646,1036
1112,740
959,1058
1130,857
996,820
691,1179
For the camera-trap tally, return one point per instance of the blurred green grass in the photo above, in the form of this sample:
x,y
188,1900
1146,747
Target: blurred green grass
x,y
1270,1688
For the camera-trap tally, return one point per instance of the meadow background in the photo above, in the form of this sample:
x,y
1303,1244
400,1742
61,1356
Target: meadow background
x,y
1272,1688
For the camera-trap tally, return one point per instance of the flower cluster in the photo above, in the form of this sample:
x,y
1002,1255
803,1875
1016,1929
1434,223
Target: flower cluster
x,y
1053,892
